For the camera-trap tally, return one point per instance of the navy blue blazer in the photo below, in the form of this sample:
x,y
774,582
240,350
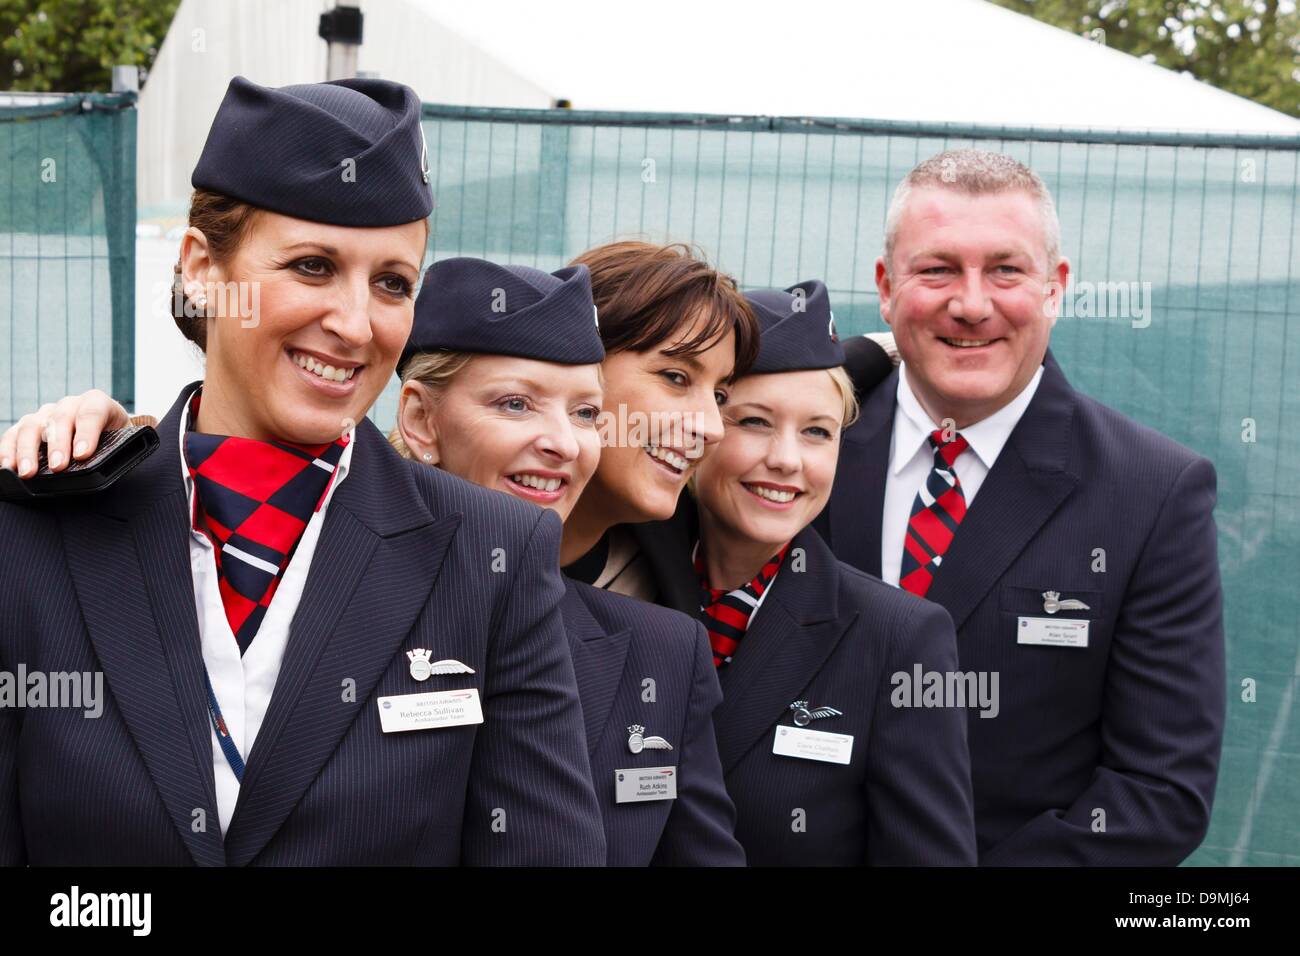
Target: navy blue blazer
x,y
639,664
1100,755
834,637
405,560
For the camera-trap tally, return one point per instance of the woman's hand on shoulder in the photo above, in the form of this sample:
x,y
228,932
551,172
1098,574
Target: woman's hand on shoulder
x,y
69,428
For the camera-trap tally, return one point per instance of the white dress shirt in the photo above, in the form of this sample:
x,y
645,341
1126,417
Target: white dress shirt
x,y
911,458
243,685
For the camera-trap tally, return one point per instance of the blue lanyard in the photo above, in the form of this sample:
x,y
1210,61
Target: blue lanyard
x,y
223,735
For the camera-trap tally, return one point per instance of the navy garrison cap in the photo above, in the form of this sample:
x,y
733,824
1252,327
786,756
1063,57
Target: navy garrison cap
x,y
472,305
796,329
349,152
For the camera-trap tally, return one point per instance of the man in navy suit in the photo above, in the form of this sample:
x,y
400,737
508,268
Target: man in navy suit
x,y
1074,548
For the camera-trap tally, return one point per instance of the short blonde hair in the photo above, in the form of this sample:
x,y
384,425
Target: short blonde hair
x,y
845,384
433,370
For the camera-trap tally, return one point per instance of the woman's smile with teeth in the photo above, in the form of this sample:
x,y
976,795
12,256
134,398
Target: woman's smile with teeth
x,y
670,458
538,482
771,494
328,372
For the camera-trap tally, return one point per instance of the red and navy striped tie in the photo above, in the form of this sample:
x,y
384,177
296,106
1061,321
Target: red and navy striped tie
x,y
726,614
939,508
253,500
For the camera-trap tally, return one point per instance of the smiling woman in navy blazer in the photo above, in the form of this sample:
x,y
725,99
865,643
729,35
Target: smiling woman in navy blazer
x,y
254,589
502,386
824,766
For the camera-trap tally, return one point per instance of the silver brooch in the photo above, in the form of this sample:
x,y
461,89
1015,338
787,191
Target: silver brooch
x,y
804,715
422,668
637,741
1052,603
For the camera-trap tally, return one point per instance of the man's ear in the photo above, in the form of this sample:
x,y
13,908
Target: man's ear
x,y
1057,282
415,421
885,287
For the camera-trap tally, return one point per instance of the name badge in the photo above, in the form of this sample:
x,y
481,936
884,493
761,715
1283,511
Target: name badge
x,y
812,744
1052,632
645,783
443,708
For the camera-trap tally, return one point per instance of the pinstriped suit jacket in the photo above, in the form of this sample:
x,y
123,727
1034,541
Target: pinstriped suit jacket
x,y
1129,725
406,559
835,637
619,644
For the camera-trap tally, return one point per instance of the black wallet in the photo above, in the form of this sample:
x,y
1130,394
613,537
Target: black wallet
x,y
119,451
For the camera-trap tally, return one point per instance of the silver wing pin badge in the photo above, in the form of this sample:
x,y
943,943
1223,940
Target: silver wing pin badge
x,y
449,666
1052,603
422,668
804,715
637,741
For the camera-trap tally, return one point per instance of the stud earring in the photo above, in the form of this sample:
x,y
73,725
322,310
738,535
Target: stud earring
x,y
428,457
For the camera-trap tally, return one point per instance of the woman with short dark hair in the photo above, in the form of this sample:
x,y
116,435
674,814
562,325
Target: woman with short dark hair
x,y
676,333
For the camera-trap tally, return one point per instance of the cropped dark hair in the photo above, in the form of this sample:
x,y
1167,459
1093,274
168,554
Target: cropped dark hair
x,y
648,294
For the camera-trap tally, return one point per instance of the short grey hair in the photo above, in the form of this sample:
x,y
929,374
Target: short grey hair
x,y
976,172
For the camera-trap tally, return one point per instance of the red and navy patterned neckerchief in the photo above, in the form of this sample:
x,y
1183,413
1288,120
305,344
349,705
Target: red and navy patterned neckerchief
x,y
725,613
253,500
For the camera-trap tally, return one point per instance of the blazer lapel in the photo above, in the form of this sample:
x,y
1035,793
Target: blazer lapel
x,y
598,659
1026,485
667,548
792,635
853,517
128,555
377,559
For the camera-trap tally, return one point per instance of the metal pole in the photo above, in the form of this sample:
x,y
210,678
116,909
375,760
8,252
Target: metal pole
x,y
126,79
340,28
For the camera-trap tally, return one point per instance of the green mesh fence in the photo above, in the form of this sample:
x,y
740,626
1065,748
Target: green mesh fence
x,y
1183,312
67,248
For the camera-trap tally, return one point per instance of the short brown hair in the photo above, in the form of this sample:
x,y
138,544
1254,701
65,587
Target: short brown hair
x,y
646,293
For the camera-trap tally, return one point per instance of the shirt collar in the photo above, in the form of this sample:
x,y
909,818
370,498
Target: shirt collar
x,y
912,425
